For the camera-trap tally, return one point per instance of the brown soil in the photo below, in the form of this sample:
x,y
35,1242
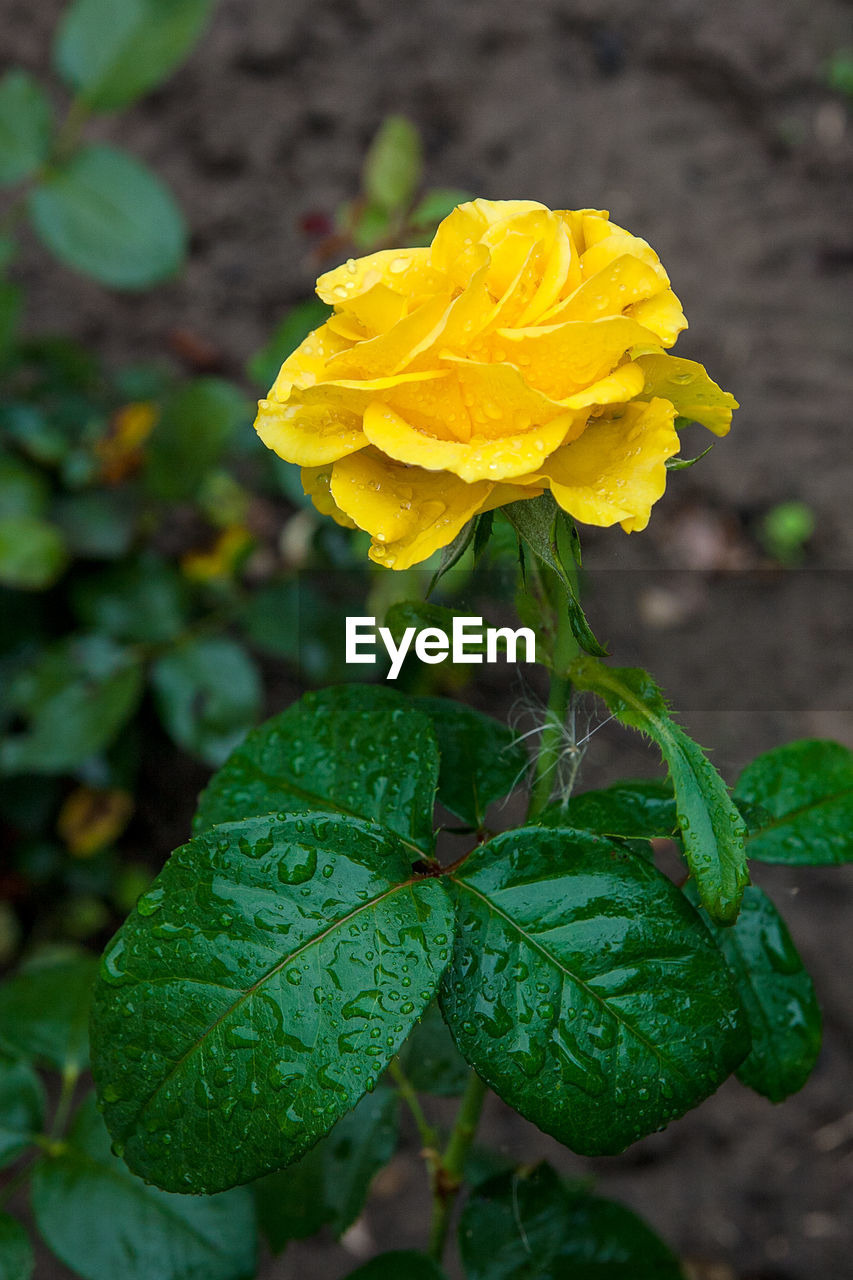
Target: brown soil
x,y
706,129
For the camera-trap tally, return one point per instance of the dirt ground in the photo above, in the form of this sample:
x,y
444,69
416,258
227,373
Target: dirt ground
x,y
707,129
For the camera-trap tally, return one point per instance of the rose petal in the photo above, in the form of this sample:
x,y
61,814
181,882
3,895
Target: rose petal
x,y
616,471
406,271
410,513
308,362
315,482
559,360
662,314
480,459
687,386
623,281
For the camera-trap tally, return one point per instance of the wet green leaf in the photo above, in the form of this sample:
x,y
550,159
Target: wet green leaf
x,y
430,1058
481,759
294,328
357,749
104,1223
208,694
640,810
712,829
191,435
585,990
265,980
330,1184
777,996
44,1012
806,788
398,1264
392,167
22,1106
532,1226
547,530
113,51
105,214
26,120
74,699
142,601
16,1252
32,553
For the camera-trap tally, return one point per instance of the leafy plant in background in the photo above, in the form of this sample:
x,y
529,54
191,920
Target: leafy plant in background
x,y
132,569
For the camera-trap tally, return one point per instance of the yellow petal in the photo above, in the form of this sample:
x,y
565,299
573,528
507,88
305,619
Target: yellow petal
x,y
686,384
621,385
574,221
455,235
307,363
410,513
561,359
606,241
662,314
623,281
393,351
315,482
480,459
616,471
554,278
309,432
406,271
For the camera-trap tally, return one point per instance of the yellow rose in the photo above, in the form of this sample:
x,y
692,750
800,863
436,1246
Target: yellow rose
x,y
523,350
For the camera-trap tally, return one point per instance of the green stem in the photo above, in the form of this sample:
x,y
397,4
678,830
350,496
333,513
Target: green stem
x,y
551,742
448,1175
408,1093
70,1076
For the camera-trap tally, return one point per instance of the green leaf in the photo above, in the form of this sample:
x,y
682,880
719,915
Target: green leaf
x,y
330,1184
98,524
640,810
430,1058
105,214
481,759
777,996
264,365
113,51
683,464
272,619
74,698
26,122
358,749
142,601
16,1252
712,829
546,529
264,982
208,694
22,1106
191,435
436,205
398,1264
806,788
32,553
44,1012
24,491
532,1226
104,1223
585,990
450,555
392,167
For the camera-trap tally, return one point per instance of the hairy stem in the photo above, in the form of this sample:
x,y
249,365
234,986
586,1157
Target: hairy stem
x,y
551,742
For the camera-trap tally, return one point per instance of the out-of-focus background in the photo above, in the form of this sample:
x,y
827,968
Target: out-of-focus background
x,y
723,134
